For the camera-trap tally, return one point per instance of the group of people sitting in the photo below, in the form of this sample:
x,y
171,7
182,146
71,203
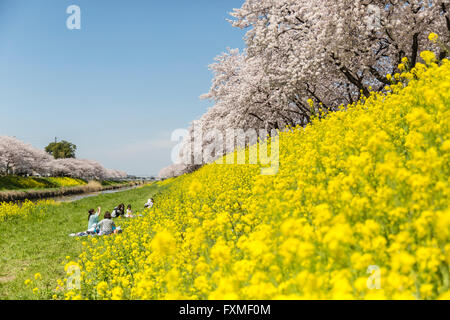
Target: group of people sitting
x,y
107,225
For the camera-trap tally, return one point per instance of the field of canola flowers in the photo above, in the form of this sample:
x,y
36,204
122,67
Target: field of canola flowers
x,y
17,182
66,181
10,210
365,186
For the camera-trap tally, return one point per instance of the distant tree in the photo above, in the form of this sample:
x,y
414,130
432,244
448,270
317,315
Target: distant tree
x,y
61,150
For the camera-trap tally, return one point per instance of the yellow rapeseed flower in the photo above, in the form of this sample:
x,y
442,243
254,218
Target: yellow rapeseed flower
x,y
360,194
433,37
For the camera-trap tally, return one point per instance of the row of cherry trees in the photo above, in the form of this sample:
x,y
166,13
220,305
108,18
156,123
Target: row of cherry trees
x,y
306,57
19,158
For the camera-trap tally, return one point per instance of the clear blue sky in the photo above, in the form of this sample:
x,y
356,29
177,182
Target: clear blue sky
x,y
118,87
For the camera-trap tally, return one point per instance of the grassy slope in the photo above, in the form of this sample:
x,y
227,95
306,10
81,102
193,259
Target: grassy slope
x,y
30,183
40,245
112,183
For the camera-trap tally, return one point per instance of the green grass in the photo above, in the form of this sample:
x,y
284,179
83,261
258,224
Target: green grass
x,y
112,183
40,244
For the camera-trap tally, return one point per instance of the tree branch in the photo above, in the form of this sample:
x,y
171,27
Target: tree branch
x,y
414,49
350,77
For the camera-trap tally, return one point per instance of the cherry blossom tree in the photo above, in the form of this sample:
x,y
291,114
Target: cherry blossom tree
x,y
17,157
85,169
173,170
333,52
308,57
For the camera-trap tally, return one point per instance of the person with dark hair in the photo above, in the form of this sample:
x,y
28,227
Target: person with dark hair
x,y
92,224
107,225
118,211
93,217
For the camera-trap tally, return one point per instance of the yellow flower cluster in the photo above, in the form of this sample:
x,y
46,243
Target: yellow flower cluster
x,y
34,285
10,210
66,181
433,37
18,182
367,188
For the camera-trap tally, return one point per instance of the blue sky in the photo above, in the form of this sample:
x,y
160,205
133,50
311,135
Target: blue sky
x,y
118,87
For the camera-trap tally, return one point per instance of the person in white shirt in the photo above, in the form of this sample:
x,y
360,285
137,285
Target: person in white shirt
x,y
129,213
149,203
